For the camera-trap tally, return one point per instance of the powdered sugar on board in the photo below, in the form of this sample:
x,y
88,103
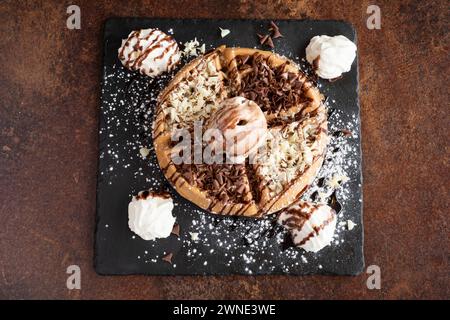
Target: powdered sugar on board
x,y
242,245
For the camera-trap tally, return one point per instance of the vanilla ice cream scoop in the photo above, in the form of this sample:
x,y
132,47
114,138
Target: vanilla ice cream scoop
x,y
149,51
150,215
330,56
311,225
238,128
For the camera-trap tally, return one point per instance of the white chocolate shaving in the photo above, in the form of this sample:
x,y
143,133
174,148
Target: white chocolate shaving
x,y
224,32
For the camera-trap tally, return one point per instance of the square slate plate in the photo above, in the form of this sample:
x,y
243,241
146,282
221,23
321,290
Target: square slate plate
x,y
226,245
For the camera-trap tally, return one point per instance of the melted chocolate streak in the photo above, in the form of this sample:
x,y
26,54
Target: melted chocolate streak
x,y
315,231
295,221
158,124
157,43
135,33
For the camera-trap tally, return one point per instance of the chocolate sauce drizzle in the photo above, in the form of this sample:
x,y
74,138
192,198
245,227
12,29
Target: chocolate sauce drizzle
x,y
157,43
237,188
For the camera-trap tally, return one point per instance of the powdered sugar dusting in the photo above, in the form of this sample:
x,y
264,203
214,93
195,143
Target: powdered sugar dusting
x,y
254,246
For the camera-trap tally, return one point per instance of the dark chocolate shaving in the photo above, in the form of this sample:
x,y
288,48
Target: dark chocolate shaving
x,y
269,42
275,30
263,39
320,182
273,89
334,203
346,133
176,230
343,132
224,182
168,258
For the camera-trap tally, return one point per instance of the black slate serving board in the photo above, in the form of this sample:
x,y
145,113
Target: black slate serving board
x,y
226,245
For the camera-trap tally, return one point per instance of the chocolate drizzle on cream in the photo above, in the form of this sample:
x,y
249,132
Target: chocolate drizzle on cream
x,y
311,225
152,194
136,52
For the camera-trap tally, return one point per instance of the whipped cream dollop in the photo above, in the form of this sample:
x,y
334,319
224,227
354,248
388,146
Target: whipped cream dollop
x,y
238,128
330,56
149,51
311,226
150,215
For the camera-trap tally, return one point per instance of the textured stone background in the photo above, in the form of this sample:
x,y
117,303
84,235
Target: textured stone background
x,y
49,102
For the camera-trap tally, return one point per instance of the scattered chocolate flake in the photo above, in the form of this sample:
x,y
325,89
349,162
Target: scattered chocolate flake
x,y
168,258
269,42
176,229
277,34
263,38
346,133
275,30
330,111
334,203
343,132
320,182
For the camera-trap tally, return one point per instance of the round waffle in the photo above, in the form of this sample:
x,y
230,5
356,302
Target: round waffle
x,y
296,141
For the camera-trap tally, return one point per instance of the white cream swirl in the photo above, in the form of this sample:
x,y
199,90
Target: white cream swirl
x,y
149,51
331,56
150,215
311,225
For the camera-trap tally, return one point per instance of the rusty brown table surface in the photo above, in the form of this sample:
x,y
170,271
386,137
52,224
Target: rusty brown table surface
x,y
49,107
